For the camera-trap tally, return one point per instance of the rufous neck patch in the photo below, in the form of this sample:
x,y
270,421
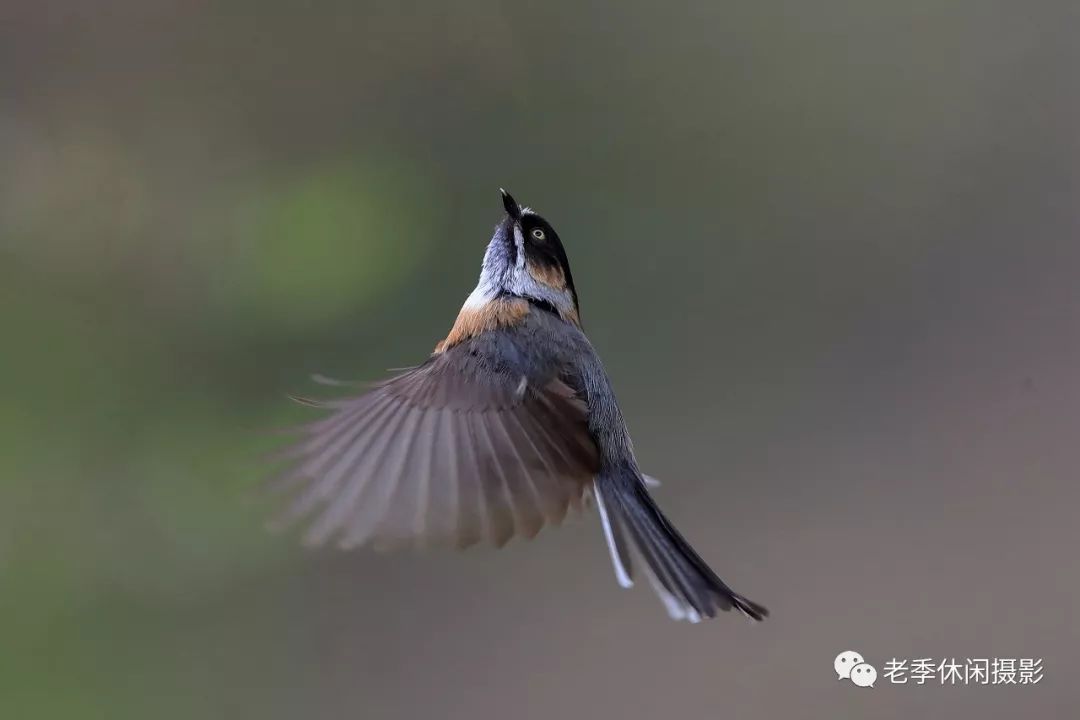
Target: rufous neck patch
x,y
472,321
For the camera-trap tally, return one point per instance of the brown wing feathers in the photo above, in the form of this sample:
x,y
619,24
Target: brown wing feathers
x,y
443,454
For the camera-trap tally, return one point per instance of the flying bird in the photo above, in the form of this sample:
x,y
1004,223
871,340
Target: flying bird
x,y
509,424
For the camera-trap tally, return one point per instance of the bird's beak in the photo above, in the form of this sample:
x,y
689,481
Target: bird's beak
x,y
512,208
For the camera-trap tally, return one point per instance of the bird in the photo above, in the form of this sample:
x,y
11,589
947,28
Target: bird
x,y
509,424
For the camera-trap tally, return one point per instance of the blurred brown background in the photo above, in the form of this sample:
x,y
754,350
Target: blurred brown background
x,y
827,250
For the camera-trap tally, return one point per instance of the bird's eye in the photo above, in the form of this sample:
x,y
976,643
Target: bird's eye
x,y
538,234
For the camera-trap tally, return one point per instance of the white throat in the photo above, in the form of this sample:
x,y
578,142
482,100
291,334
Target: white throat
x,y
503,273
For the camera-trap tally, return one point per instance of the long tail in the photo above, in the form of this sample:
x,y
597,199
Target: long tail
x,y
688,587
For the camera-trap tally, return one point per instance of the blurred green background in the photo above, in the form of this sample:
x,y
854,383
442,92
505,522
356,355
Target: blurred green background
x,y
828,252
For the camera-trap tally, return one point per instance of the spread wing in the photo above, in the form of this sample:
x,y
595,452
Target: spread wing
x,y
449,453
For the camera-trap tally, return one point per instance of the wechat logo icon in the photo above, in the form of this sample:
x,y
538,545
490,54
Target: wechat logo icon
x,y
850,665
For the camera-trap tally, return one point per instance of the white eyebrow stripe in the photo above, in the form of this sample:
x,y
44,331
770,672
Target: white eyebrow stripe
x,y
519,240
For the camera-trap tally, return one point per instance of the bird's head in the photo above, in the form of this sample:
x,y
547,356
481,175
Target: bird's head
x,y
526,259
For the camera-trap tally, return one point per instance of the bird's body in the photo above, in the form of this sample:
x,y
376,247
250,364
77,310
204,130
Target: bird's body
x,y
508,424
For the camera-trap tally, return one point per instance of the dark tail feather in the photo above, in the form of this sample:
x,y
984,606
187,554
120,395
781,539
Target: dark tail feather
x,y
686,584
